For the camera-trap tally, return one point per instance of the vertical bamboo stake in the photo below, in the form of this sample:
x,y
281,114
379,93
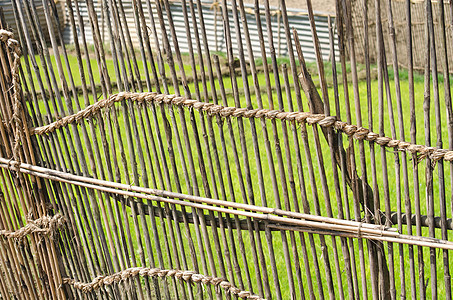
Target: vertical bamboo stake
x,y
407,201
244,149
296,143
277,147
440,164
429,166
356,189
413,133
229,178
108,89
21,15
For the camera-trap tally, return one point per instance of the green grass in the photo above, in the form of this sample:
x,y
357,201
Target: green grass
x,y
181,158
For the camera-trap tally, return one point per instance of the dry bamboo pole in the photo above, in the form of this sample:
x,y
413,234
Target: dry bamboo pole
x,y
278,151
342,10
276,141
5,290
24,185
104,77
413,134
386,79
313,182
43,141
451,17
78,143
194,188
203,129
201,63
133,151
449,119
381,65
211,131
97,118
331,142
296,145
6,59
200,219
324,184
343,213
350,270
178,231
214,97
145,43
383,291
216,195
170,226
101,61
117,239
89,148
297,149
292,185
269,95
21,255
206,49
20,13
376,232
440,164
6,283
118,34
407,200
165,167
188,234
318,105
231,259
131,57
245,158
162,72
11,267
229,177
160,62
367,207
4,77
29,156
364,227
294,194
22,116
267,143
429,166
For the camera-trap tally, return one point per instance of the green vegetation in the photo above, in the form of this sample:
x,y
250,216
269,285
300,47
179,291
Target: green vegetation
x,y
373,108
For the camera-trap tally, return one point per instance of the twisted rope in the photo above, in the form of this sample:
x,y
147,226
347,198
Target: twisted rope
x,y
8,38
188,276
45,225
358,133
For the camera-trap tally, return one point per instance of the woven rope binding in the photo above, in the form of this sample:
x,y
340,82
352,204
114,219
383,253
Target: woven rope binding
x,y
8,38
357,132
188,276
45,225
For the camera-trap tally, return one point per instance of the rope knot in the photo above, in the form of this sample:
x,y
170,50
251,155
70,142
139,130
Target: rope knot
x,y
5,35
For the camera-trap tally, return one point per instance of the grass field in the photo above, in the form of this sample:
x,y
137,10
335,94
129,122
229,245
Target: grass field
x,y
145,141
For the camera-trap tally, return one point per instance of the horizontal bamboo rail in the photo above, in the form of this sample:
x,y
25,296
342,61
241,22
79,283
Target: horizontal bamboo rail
x,y
342,227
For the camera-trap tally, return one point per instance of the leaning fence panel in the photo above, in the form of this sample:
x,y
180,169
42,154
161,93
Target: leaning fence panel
x,y
146,159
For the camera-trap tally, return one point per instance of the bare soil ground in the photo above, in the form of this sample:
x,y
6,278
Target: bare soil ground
x,y
318,5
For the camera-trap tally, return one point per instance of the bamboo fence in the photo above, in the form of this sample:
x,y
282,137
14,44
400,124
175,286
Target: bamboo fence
x,y
121,178
418,24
